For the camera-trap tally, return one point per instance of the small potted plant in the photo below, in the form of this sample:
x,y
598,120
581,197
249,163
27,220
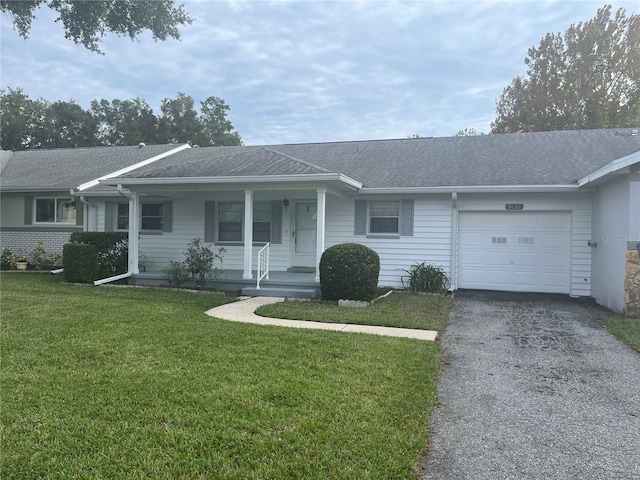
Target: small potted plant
x,y
20,261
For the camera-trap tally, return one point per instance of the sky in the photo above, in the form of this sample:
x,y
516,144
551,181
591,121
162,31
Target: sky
x,y
308,71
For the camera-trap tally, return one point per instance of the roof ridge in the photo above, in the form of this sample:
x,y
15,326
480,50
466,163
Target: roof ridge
x,y
296,159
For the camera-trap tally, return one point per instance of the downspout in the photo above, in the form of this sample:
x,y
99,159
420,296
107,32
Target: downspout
x,y
85,226
454,243
133,238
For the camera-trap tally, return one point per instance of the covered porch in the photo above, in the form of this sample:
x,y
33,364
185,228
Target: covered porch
x,y
293,283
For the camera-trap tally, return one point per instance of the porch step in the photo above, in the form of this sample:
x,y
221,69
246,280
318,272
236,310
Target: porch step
x,y
301,270
298,292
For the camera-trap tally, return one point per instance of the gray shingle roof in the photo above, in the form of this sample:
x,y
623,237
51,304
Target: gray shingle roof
x,y
541,158
65,168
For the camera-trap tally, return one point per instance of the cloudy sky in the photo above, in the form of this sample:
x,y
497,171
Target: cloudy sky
x,y
309,71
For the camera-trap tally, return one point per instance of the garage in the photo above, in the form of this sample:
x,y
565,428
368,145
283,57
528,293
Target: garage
x,y
515,251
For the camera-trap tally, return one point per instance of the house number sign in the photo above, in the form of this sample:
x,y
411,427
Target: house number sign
x,y
514,206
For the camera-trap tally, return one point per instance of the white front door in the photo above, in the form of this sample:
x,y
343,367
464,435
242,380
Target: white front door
x,y
304,230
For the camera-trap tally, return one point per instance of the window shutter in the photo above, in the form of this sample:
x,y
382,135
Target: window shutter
x,y
79,212
209,221
109,216
167,216
28,210
407,217
276,222
360,222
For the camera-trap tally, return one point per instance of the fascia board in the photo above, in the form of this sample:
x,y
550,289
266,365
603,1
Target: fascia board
x,y
472,189
122,171
259,179
610,167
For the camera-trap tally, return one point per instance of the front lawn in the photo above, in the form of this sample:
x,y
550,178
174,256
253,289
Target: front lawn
x,y
103,382
626,329
404,310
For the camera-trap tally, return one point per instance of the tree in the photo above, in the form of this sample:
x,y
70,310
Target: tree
x,y
468,132
216,130
587,78
69,125
179,121
22,121
85,22
124,122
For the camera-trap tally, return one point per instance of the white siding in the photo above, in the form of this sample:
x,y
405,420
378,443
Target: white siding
x,y
611,232
430,243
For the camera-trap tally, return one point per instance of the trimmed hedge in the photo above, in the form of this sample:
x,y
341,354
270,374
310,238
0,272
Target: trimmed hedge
x,y
80,262
349,271
112,251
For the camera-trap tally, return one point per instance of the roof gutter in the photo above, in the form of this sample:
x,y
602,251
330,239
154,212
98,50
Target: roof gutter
x,y
132,267
473,189
611,167
305,178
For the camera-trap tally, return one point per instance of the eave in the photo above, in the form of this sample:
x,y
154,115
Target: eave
x,y
611,168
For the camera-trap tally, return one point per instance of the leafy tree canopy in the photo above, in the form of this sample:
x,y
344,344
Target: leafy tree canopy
x,y
587,78
86,22
28,124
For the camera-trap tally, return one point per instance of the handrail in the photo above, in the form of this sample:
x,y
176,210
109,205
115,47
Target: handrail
x,y
263,264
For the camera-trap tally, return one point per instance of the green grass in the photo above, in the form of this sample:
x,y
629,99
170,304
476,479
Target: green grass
x,y
140,383
626,329
404,310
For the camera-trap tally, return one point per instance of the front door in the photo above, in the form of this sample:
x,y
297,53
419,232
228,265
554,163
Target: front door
x,y
305,216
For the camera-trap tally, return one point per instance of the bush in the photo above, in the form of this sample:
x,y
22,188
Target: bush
x,y
423,277
43,261
349,271
199,260
112,250
177,273
80,262
7,258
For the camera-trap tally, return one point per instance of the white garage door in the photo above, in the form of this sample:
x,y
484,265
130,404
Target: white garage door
x,y
515,251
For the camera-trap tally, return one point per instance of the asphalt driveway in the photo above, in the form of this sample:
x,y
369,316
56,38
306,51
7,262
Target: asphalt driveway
x,y
534,387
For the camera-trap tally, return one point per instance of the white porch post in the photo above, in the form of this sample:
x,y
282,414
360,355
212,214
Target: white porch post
x,y
634,207
248,233
134,231
322,197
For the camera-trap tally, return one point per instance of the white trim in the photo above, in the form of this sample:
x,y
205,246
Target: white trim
x,y
471,189
303,178
122,171
248,234
320,224
610,167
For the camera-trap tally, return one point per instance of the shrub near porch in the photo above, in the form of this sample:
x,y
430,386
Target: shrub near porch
x,y
108,382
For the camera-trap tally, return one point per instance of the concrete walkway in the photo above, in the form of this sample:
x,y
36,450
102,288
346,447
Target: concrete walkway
x,y
244,311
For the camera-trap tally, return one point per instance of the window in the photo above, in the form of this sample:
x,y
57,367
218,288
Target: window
x,y
152,215
230,222
122,217
55,210
384,217
266,222
262,214
387,218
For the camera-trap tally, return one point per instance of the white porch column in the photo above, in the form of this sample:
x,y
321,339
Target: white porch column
x,y
322,198
248,233
634,207
134,231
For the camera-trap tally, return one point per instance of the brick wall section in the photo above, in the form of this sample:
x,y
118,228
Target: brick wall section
x,y
632,284
17,241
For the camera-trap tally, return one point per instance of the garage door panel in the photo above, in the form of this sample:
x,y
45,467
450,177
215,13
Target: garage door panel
x,y
525,278
525,260
498,258
515,251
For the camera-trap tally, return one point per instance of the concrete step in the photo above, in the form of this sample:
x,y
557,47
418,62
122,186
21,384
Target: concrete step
x,y
290,292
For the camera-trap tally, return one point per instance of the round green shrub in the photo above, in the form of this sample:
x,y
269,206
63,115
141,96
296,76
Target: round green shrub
x,y
349,271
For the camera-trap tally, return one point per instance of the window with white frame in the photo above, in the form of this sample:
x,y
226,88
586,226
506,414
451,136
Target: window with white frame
x,y
122,216
384,216
231,222
262,216
151,216
55,210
